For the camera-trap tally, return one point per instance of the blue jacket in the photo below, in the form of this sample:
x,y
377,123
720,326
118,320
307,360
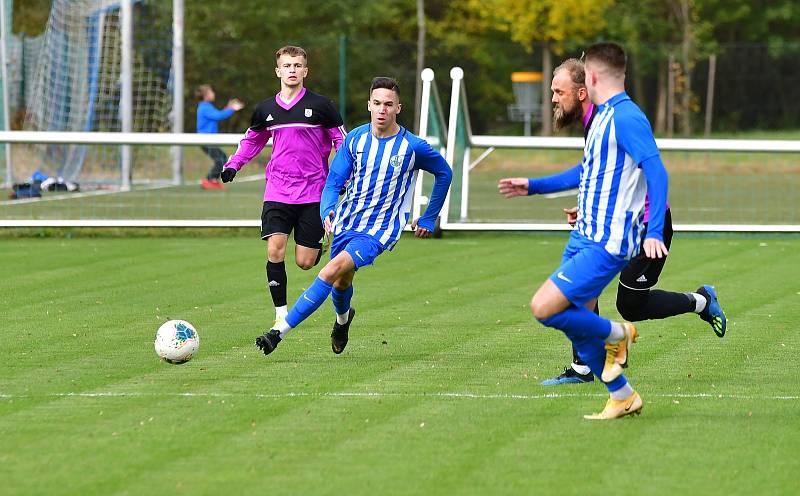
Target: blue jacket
x,y
208,117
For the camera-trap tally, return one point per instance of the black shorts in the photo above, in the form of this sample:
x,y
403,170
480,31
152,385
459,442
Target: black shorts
x,y
302,218
641,272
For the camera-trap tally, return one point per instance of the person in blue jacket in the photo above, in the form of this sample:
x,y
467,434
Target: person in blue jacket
x,y
208,118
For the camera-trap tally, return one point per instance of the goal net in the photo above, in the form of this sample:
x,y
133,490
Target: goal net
x,y
76,87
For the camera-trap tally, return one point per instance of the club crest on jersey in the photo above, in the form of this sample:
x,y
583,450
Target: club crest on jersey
x,y
308,112
396,160
269,117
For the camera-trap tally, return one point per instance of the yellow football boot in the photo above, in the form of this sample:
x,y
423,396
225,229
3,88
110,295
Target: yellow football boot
x,y
617,353
619,408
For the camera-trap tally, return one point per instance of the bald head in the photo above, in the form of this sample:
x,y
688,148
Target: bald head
x,y
570,101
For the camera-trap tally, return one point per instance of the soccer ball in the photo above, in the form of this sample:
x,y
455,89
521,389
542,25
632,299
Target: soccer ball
x,y
177,341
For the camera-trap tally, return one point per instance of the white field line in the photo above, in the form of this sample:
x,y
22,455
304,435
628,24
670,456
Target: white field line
x,y
454,395
83,194
560,194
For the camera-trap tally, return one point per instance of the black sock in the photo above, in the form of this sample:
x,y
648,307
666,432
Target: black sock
x,y
653,304
276,281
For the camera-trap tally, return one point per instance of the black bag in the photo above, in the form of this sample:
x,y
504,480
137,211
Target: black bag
x,y
27,190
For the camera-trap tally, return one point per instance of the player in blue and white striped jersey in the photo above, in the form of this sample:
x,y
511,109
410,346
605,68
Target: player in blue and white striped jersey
x,y
637,298
380,159
621,164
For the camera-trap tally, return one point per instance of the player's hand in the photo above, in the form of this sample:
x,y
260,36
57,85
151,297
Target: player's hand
x,y
572,215
420,231
228,173
654,248
327,223
344,187
513,186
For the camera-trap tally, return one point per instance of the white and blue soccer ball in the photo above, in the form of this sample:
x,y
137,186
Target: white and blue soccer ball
x,y
177,341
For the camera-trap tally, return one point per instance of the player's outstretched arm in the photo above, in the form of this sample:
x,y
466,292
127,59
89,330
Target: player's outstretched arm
x,y
513,186
212,113
519,186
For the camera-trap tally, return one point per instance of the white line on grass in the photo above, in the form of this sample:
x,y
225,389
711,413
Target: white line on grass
x,y
510,396
560,194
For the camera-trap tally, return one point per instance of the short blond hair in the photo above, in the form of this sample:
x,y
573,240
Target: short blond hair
x,y
292,51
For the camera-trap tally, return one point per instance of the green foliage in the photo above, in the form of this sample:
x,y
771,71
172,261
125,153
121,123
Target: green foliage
x,y
231,45
553,21
241,60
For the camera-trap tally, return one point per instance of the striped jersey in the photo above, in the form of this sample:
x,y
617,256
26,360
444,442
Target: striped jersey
x,y
612,188
303,132
378,198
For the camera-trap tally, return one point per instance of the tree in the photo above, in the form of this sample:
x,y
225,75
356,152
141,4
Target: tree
x,y
552,24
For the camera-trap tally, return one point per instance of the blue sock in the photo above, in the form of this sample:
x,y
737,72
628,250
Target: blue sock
x,y
588,332
579,323
309,301
341,299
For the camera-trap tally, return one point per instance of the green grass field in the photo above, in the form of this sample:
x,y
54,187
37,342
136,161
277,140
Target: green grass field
x,y
437,393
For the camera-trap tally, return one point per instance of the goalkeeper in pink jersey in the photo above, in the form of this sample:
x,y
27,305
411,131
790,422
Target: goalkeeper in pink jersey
x,y
304,127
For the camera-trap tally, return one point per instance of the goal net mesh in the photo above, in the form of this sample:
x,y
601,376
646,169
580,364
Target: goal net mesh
x,y
76,87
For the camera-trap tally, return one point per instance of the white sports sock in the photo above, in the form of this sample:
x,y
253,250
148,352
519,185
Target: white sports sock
x,y
616,334
283,328
341,318
700,302
581,369
622,393
281,312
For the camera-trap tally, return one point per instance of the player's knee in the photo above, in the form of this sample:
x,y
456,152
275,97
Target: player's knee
x,y
276,255
629,314
331,272
306,264
630,304
539,309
